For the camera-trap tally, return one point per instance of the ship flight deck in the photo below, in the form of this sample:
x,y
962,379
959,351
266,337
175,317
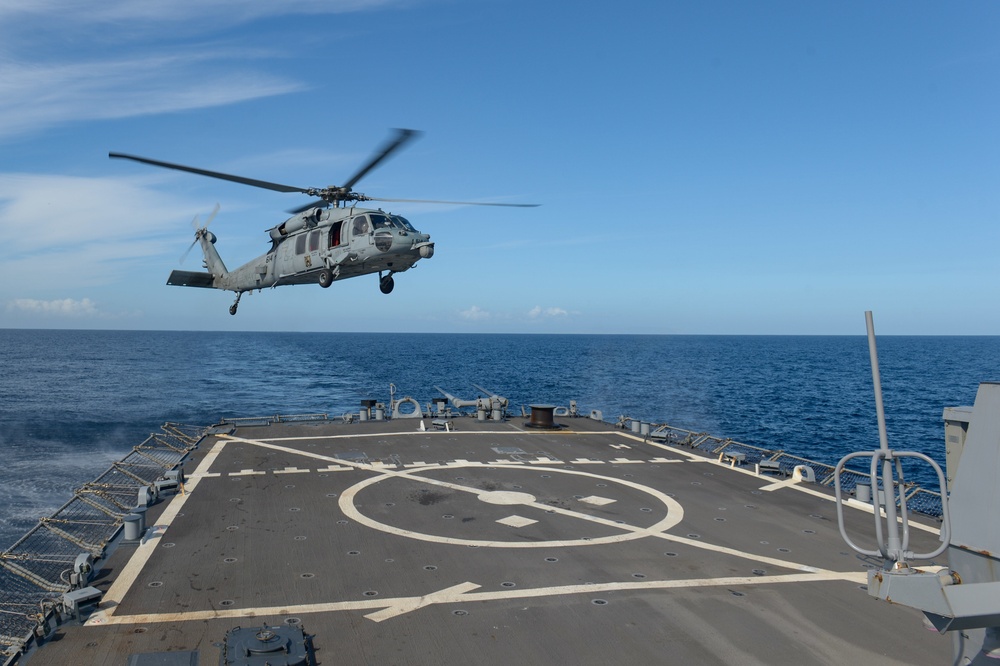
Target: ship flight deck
x,y
396,542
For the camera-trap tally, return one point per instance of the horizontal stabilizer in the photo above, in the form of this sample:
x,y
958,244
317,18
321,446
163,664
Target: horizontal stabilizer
x,y
191,279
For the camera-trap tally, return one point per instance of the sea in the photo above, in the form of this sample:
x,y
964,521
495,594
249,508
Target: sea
x,y
74,402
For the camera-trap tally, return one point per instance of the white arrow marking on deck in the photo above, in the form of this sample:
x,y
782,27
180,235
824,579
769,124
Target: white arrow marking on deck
x,y
447,595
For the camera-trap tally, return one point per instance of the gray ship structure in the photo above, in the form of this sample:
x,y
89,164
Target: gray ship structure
x,y
462,531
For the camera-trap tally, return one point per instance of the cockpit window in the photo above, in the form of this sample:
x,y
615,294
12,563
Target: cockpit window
x,y
380,221
360,227
402,223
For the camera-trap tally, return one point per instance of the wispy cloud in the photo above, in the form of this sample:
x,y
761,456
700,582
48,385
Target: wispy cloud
x,y
180,11
68,61
538,312
34,96
60,307
474,313
107,228
535,314
99,211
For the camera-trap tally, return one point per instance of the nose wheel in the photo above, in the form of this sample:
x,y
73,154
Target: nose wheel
x,y
385,284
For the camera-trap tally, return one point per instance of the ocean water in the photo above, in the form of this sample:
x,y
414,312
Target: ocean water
x,y
73,402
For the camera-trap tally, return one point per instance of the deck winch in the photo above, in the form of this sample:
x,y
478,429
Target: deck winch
x,y
542,418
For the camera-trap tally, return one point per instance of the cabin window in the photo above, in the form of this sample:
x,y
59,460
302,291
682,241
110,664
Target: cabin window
x,y
380,221
300,244
314,237
360,226
403,223
335,234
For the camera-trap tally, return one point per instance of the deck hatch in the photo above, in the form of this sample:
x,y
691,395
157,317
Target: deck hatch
x,y
353,456
510,450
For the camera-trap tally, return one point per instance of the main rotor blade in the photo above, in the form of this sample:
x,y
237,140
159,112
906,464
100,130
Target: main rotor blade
x,y
457,203
402,136
277,187
321,203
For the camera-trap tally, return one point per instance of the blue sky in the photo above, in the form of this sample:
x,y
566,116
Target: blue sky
x,y
703,167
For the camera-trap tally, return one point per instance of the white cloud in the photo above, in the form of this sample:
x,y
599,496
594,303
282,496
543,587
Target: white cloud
x,y
60,307
74,60
179,11
475,313
70,60
35,96
538,312
63,231
50,213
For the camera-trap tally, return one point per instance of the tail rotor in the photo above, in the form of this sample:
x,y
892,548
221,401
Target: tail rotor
x,y
199,231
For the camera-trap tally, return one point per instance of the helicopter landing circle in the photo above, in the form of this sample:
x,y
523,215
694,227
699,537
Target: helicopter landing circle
x,y
506,497
673,512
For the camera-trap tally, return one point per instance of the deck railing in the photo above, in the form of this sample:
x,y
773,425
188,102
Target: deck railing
x,y
921,500
34,572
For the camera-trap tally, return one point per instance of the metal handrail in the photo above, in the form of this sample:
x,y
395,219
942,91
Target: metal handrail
x,y
892,546
886,549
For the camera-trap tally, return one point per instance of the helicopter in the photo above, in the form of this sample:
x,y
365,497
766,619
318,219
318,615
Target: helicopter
x,y
324,241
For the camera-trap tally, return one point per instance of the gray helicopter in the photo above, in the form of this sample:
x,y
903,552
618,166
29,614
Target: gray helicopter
x,y
324,241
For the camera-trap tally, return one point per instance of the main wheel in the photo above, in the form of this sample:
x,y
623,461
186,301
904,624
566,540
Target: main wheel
x,y
386,284
325,278
232,309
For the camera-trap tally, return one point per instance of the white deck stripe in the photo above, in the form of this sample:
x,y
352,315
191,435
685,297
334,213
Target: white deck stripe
x,y
124,580
461,594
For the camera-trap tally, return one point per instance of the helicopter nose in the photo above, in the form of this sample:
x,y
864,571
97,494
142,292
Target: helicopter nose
x,y
427,251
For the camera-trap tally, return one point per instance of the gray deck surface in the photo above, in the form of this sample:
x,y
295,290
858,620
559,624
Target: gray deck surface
x,y
494,544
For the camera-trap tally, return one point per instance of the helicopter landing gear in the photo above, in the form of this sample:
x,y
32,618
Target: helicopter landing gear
x,y
385,284
232,308
325,278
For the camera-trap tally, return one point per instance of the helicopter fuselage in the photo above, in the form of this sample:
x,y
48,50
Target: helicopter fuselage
x,y
319,245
